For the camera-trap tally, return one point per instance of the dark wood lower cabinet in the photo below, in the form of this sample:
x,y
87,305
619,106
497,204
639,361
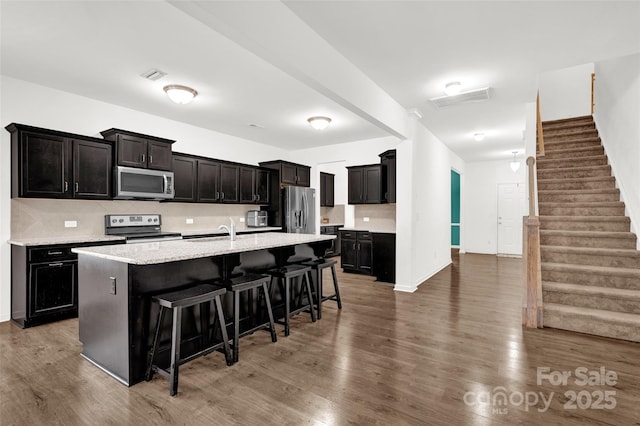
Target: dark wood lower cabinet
x,y
384,257
44,283
355,251
370,253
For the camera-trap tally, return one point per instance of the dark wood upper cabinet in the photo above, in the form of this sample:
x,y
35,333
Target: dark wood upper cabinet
x,y
52,164
208,181
92,163
137,150
388,161
290,173
327,189
229,183
185,175
159,155
262,186
247,185
45,165
365,184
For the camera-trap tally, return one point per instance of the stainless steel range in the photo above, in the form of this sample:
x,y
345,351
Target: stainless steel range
x,y
140,228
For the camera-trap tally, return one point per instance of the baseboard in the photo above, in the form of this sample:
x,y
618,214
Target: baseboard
x,y
413,288
515,256
5,317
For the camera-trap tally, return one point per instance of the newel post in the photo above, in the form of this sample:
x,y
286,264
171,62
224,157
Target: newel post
x,y
532,309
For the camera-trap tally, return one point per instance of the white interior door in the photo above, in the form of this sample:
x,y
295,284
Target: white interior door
x,y
511,201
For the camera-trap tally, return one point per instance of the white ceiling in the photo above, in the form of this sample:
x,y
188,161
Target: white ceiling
x,y
409,49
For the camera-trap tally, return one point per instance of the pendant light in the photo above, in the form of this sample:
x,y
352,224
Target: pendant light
x,y
515,164
453,88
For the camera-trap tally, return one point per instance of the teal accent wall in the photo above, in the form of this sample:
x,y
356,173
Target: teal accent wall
x,y
455,208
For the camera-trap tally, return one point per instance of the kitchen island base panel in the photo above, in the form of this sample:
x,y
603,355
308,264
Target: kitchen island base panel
x,y
116,330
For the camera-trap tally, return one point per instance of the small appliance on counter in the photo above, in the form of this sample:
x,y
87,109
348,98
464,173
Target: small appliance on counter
x,y
141,228
257,218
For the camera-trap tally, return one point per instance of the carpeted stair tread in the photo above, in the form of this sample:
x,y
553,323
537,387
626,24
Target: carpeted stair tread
x,y
578,191
569,125
582,179
624,219
551,134
591,270
592,290
572,162
593,251
563,121
582,204
594,168
548,150
578,143
618,325
593,234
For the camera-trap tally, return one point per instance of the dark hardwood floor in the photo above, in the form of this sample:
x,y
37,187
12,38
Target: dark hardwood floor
x,y
387,358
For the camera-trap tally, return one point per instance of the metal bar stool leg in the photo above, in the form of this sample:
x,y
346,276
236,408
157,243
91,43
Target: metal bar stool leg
x,y
336,287
175,350
267,302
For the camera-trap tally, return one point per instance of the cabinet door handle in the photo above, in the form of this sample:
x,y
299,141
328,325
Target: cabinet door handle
x,y
257,197
217,196
76,186
150,159
222,194
142,158
354,246
56,265
66,186
53,253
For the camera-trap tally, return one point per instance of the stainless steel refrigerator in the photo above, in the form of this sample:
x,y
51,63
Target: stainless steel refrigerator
x,y
299,210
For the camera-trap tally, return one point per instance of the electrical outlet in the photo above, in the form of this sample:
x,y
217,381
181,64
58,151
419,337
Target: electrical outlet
x,y
366,219
189,221
242,220
70,223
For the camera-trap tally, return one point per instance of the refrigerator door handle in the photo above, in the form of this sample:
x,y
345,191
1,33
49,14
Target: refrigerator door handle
x,y
304,212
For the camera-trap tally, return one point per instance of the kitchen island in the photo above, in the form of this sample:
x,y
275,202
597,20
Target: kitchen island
x,y
116,283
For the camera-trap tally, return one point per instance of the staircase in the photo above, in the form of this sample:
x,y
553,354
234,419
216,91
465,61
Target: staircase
x,y
590,265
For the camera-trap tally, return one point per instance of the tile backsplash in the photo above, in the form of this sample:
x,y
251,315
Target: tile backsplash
x,y
334,214
34,218
382,217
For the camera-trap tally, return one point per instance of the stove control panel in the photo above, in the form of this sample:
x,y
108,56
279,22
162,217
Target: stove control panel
x,y
121,220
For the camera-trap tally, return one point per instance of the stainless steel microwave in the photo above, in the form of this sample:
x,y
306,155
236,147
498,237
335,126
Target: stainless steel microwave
x,y
131,182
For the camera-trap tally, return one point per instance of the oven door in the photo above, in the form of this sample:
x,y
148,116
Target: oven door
x,y
131,182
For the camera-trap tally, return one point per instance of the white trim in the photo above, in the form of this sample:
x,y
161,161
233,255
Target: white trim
x,y
413,288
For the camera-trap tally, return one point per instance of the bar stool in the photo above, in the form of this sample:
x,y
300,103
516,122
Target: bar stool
x,y
176,301
286,274
249,282
318,265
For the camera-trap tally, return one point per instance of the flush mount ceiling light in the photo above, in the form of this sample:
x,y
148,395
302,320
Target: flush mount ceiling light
x,y
515,164
319,122
478,136
453,88
180,94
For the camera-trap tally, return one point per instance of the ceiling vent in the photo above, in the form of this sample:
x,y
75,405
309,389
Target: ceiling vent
x,y
153,74
477,95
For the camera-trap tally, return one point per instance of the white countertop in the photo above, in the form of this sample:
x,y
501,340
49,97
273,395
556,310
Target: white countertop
x,y
373,230
217,231
172,251
331,224
48,241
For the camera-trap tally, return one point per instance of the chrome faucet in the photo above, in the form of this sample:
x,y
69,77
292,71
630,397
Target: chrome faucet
x,y
230,229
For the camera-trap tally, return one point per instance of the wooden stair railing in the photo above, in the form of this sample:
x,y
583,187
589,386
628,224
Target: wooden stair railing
x,y
539,135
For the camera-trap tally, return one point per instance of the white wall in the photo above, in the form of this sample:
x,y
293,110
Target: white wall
x,y
423,209
566,93
481,202
617,116
35,105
